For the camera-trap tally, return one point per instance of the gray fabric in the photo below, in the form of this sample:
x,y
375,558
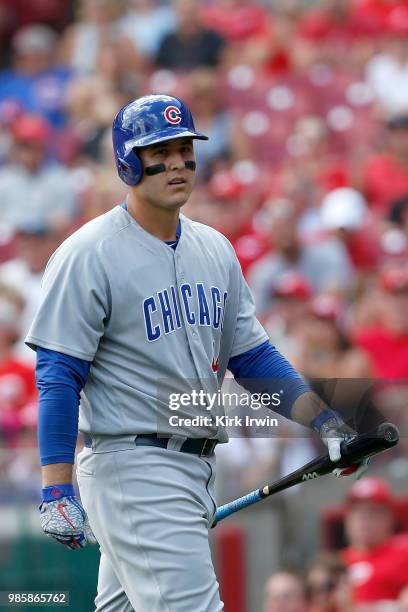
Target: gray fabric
x,y
130,495
110,594
95,290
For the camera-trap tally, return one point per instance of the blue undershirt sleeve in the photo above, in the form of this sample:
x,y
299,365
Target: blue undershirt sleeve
x,y
264,370
60,379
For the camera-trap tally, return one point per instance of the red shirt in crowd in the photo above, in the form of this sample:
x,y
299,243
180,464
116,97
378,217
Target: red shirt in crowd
x,y
249,247
17,384
237,23
17,391
372,15
363,249
319,25
385,180
19,13
388,351
380,574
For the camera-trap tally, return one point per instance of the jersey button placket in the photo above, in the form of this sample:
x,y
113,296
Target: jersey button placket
x,y
180,271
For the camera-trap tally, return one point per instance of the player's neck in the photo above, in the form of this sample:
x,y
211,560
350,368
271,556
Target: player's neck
x,y
160,222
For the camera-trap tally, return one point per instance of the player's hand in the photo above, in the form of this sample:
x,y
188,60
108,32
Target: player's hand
x,y
63,518
333,431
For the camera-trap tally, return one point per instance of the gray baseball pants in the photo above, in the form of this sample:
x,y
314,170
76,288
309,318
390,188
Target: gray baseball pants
x,y
150,509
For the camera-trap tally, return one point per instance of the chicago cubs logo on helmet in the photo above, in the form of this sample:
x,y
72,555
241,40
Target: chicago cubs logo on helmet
x,y
172,114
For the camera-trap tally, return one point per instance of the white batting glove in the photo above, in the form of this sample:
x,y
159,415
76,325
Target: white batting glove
x,y
333,431
63,518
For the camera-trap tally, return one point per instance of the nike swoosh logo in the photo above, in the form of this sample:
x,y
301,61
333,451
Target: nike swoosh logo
x,y
60,509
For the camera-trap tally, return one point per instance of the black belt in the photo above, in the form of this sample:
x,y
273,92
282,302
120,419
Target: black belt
x,y
204,447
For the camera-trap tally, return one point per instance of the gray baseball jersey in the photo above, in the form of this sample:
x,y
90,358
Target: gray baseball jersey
x,y
148,317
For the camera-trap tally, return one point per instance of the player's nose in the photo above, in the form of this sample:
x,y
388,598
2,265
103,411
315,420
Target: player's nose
x,y
175,161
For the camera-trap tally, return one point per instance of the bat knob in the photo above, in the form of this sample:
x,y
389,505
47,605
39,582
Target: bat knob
x,y
389,433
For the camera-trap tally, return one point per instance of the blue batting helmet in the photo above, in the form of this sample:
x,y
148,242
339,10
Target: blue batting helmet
x,y
146,121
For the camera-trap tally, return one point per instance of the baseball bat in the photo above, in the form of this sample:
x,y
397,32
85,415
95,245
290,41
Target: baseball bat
x,y
352,451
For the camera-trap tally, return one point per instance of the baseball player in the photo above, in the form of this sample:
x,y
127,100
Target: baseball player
x,y
140,303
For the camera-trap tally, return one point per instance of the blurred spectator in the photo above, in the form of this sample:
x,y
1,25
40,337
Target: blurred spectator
x,y
320,349
228,202
330,33
315,167
268,51
8,112
394,238
377,560
386,342
191,45
93,100
105,192
34,245
288,254
255,38
374,14
227,140
329,21
18,13
399,213
291,295
343,208
146,23
285,592
34,189
387,72
237,20
80,45
344,214
34,80
327,584
17,380
403,600
385,174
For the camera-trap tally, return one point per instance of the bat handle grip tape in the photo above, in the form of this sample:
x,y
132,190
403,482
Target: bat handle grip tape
x,y
237,504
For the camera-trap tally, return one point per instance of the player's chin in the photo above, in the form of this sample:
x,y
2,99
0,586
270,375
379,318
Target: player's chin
x,y
178,197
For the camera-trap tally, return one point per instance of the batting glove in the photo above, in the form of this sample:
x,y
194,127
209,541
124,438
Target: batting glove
x,y
63,518
333,431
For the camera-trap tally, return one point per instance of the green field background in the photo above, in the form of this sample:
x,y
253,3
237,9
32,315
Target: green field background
x,y
37,563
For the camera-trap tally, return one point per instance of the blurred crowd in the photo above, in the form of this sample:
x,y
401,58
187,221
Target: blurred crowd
x,y
368,574
306,172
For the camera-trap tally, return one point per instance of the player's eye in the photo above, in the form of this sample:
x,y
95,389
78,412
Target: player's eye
x,y
187,149
159,152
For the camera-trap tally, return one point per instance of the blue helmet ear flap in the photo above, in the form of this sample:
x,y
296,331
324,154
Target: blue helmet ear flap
x,y
130,173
